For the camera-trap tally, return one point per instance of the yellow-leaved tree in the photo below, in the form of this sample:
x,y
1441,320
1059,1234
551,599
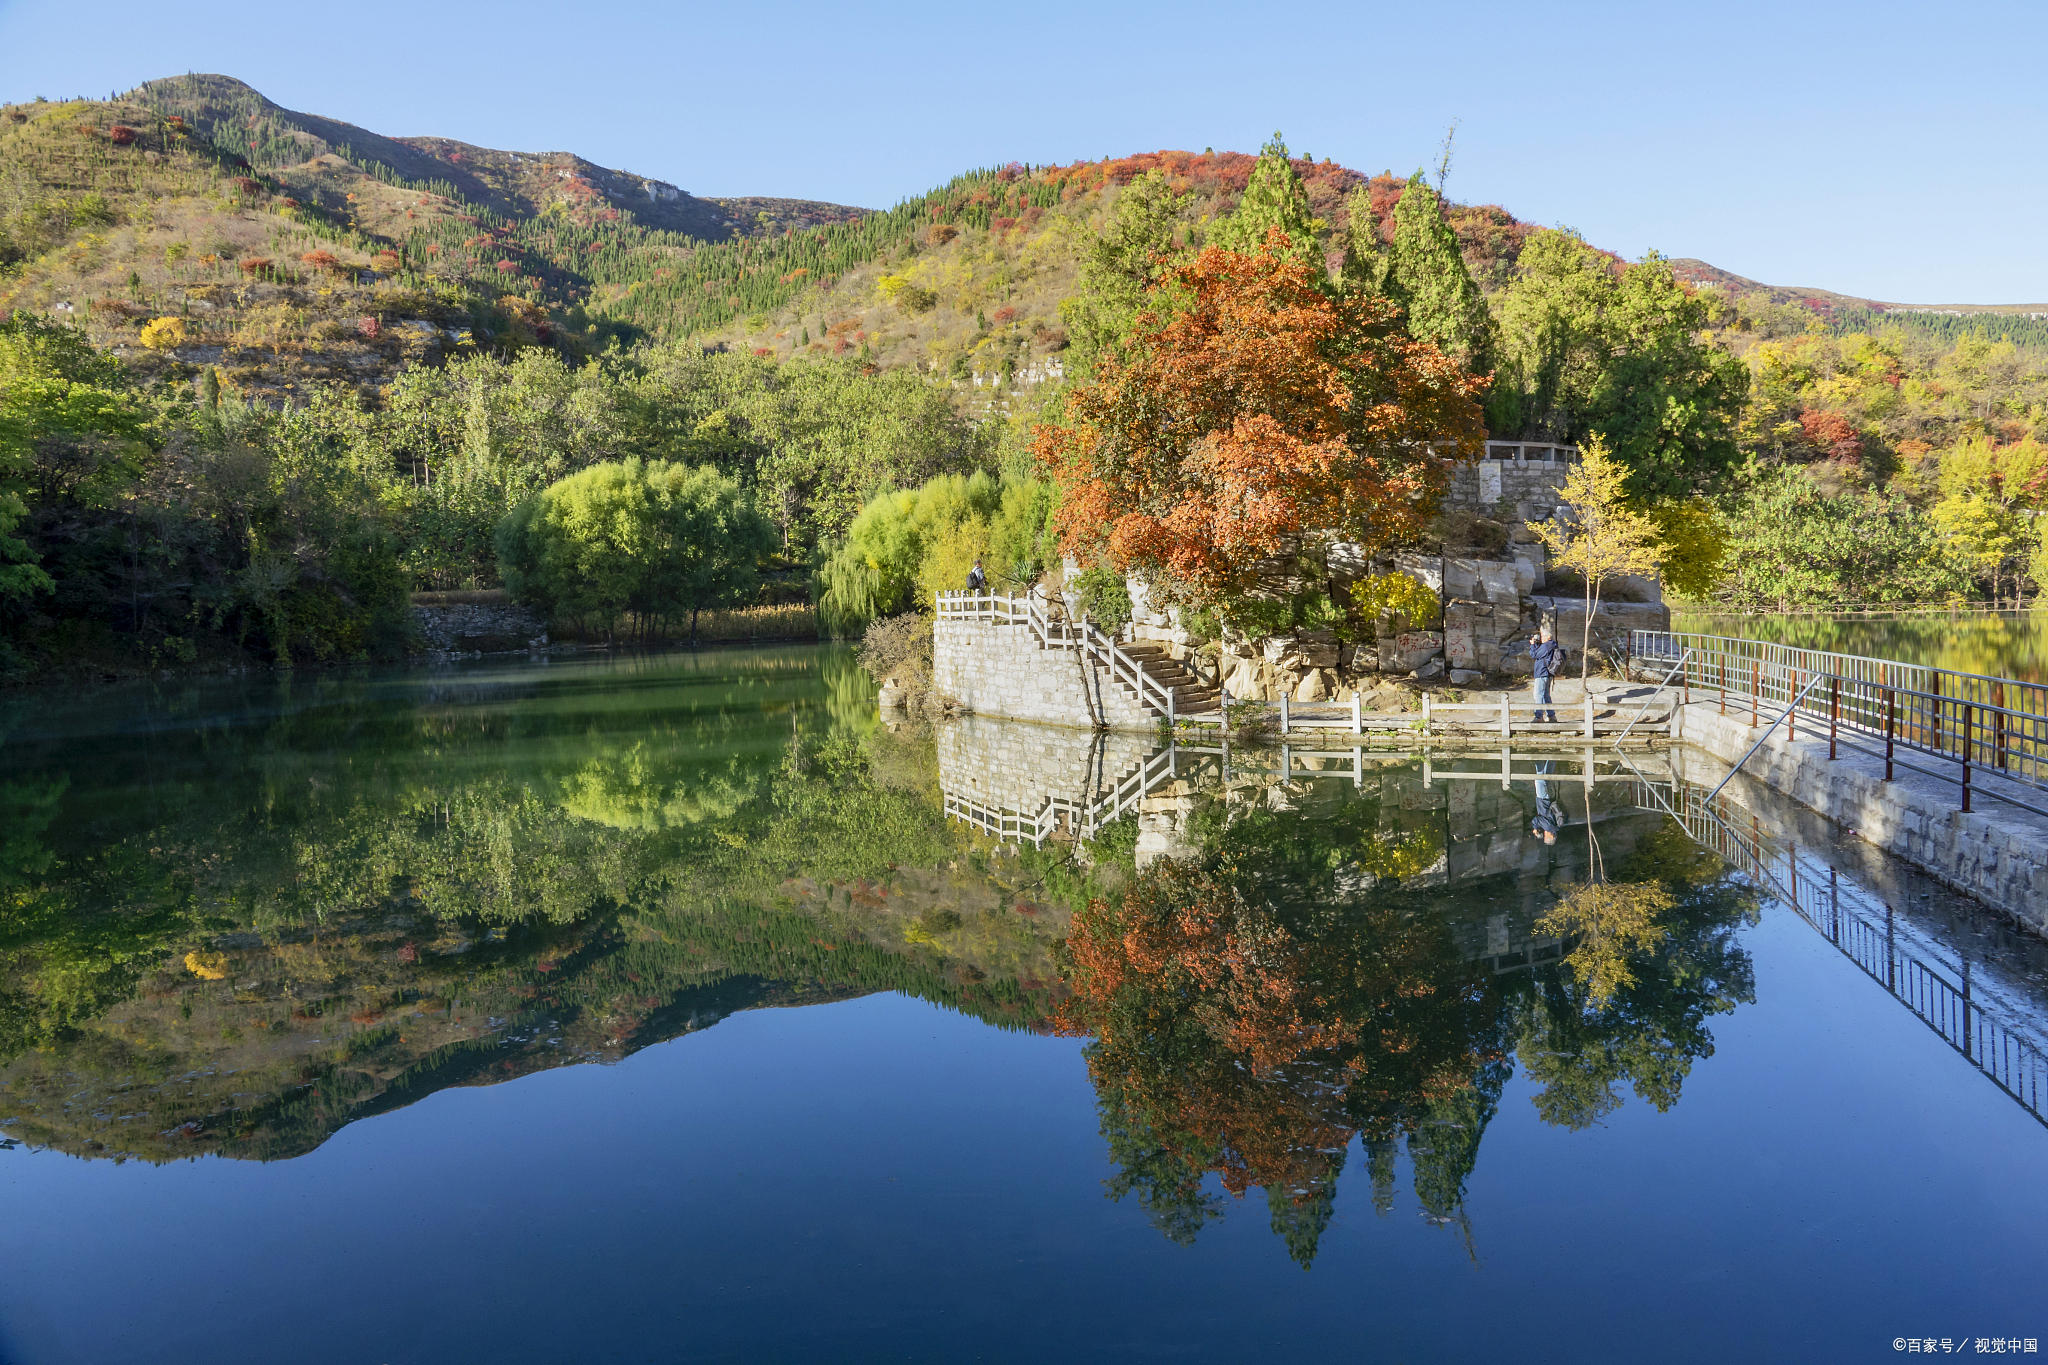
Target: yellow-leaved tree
x,y
1605,539
1989,494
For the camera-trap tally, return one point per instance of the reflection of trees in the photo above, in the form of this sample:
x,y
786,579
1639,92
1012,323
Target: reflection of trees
x,y
2007,645
390,897
1249,1020
1254,1009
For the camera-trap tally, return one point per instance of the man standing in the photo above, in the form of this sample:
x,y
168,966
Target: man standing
x,y
1548,657
976,579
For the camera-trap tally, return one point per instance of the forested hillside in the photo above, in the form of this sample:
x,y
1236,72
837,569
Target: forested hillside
x,y
262,374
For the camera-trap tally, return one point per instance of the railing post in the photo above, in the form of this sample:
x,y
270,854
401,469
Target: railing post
x,y
1286,721
1723,689
1934,729
1506,728
1998,725
1755,690
1425,713
1969,719
1357,714
1792,711
1589,713
1891,729
1834,714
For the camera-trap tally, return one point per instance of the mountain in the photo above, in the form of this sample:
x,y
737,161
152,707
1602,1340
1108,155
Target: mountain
x,y
238,119
295,251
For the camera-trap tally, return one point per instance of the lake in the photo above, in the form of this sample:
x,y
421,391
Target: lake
x,y
1998,644
674,1008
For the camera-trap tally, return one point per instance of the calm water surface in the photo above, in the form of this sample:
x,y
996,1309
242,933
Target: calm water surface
x,y
1998,644
655,1010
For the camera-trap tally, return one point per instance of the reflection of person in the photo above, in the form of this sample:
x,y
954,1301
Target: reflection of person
x,y
1549,815
976,579
1547,657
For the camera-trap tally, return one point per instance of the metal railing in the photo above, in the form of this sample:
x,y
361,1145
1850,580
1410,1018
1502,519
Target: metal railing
x,y
1058,632
1867,931
1878,707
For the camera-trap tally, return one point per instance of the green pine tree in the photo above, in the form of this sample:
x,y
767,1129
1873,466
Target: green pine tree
x,y
1365,256
1426,275
1275,197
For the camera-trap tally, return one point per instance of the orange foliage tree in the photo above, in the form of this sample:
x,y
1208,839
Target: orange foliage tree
x,y
1252,414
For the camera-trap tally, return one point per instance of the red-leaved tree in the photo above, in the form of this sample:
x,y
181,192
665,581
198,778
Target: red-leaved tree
x,y
1250,415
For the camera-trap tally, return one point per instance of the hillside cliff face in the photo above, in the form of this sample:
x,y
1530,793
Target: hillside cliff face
x,y
237,117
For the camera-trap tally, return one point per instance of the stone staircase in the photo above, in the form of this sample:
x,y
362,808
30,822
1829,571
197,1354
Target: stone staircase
x,y
1191,696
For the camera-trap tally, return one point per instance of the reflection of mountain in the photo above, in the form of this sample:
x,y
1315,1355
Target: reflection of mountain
x,y
313,910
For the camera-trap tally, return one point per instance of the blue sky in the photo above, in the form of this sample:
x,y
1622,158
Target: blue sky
x,y
1886,150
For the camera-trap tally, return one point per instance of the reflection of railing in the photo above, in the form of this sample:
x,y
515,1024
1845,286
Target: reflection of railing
x,y
1083,818
1866,930
1980,723
1052,633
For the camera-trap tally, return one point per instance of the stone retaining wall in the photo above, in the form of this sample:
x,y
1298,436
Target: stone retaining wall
x,y
1997,853
1000,670
1483,485
486,627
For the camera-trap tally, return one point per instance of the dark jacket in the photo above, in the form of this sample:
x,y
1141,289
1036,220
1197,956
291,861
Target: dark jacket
x,y
976,581
1547,658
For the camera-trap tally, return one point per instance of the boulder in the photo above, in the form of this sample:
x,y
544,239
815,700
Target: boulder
x,y
1313,686
1429,672
1409,649
1464,677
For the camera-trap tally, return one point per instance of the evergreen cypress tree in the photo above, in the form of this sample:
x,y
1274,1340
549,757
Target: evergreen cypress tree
x,y
1275,197
1426,275
1365,256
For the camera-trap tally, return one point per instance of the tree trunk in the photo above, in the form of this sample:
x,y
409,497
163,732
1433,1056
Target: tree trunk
x,y
1586,636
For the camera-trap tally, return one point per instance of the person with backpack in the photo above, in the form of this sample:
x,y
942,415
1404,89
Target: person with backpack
x,y
1548,659
977,581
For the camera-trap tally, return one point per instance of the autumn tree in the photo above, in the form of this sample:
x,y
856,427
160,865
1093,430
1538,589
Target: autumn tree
x,y
1605,538
1253,415
1989,495
1425,274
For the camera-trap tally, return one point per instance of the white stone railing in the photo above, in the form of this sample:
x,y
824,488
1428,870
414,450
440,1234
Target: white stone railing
x,y
1539,451
1058,633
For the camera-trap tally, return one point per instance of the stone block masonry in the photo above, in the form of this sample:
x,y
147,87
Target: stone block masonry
x,y
488,627
1997,853
994,668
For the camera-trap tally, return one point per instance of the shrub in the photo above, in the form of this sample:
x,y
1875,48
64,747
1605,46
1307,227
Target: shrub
x,y
165,334
1103,595
941,233
320,260
120,135
247,185
255,265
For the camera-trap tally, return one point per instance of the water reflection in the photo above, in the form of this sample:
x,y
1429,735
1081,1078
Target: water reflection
x,y
1998,644
234,919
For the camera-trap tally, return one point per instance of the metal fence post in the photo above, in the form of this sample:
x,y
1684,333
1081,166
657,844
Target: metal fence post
x,y
1755,692
1891,729
1834,714
1969,719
